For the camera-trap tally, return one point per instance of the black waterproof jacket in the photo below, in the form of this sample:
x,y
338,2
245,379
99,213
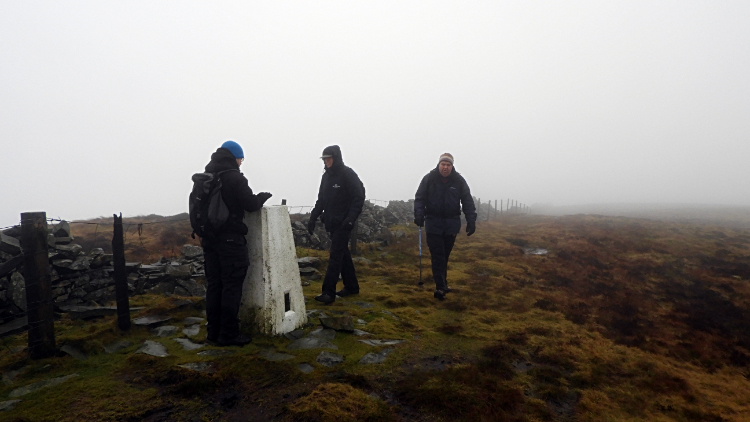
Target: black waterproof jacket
x,y
235,191
439,200
341,195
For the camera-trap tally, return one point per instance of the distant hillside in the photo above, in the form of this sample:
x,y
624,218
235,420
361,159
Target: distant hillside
x,y
687,213
147,238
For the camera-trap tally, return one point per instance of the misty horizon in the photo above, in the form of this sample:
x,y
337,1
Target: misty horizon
x,y
111,108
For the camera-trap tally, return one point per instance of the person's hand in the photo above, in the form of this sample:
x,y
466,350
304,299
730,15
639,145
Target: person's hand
x,y
419,221
347,224
471,227
264,196
311,226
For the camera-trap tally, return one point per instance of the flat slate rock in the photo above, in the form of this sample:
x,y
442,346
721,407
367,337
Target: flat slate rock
x,y
361,322
305,367
294,335
151,320
308,261
192,330
18,349
390,314
187,344
216,352
329,359
117,346
206,367
358,332
192,320
311,343
381,342
338,323
9,404
365,305
18,392
11,376
275,356
153,348
165,330
375,358
75,353
324,333
16,326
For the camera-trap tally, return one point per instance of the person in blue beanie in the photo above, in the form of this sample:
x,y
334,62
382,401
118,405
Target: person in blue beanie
x,y
225,252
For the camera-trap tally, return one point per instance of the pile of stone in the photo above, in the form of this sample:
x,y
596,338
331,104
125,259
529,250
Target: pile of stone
x,y
373,225
79,278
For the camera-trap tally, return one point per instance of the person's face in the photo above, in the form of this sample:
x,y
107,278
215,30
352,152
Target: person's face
x,y
445,168
328,161
239,161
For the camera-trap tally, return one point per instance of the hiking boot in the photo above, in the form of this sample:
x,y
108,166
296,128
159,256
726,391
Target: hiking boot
x,y
240,340
447,290
325,299
212,340
439,294
344,293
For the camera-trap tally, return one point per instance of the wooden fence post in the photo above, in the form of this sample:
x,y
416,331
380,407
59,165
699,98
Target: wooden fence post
x,y
121,280
39,306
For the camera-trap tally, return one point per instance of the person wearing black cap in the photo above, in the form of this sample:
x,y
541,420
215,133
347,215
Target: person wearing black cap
x,y
225,252
340,200
440,197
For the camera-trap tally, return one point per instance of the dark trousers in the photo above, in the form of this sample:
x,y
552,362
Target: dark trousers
x,y
226,263
340,262
440,250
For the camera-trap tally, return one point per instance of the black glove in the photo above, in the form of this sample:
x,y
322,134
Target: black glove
x,y
311,225
264,196
419,221
347,224
471,227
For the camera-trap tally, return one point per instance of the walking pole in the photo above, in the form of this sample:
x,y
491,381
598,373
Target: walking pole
x,y
420,257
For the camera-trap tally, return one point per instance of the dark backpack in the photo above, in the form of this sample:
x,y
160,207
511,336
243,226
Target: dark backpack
x,y
208,212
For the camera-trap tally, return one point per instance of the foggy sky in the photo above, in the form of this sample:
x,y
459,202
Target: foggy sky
x,y
109,107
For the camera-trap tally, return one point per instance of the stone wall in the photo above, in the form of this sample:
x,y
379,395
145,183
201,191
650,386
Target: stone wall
x,y
373,225
86,278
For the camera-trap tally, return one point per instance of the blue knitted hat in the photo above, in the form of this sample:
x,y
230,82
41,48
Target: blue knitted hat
x,y
234,148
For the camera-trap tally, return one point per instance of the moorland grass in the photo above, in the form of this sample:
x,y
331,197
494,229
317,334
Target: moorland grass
x,y
622,320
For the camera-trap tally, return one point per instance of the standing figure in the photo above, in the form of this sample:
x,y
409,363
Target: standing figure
x,y
440,197
340,200
225,250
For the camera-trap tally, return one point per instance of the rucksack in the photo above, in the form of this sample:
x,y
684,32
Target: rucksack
x,y
208,212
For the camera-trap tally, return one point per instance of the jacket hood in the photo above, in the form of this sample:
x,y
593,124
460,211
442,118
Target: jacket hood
x,y
221,160
335,152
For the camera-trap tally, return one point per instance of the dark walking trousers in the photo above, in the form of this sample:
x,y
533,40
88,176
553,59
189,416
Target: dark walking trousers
x,y
340,262
440,250
226,263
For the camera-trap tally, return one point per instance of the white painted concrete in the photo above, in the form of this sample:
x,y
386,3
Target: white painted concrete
x,y
273,273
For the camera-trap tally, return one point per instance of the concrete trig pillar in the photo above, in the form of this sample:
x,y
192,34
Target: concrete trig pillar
x,y
272,299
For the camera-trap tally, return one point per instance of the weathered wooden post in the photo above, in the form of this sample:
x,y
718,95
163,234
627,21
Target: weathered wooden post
x,y
121,280
39,307
495,216
489,207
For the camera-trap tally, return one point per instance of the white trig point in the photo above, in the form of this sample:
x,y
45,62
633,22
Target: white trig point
x,y
272,299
